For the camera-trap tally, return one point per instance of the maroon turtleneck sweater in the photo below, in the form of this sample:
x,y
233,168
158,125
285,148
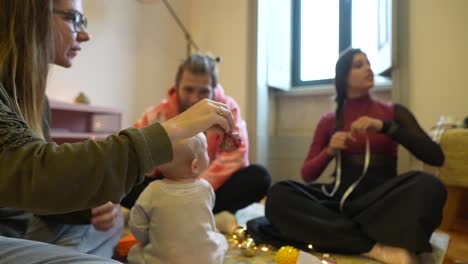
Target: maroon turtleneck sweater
x,y
400,126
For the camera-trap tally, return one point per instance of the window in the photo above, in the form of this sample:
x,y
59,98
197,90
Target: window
x,y
316,40
320,30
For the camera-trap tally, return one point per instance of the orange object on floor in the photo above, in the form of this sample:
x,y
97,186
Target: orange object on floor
x,y
125,244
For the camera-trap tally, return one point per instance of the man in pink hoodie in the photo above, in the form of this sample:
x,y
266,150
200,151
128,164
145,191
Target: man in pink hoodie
x,y
236,183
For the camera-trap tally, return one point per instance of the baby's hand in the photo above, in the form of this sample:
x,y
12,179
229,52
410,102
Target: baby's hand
x,y
231,142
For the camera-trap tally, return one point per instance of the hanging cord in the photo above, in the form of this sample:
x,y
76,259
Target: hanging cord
x,y
338,176
188,37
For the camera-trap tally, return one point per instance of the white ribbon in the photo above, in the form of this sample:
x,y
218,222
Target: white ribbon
x,y
338,176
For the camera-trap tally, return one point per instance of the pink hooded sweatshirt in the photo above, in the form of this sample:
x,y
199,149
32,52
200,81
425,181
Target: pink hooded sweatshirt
x,y
222,164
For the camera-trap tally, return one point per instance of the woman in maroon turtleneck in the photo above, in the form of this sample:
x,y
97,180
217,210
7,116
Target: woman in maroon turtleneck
x,y
368,210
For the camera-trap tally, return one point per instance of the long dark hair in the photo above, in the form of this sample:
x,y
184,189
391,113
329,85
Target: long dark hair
x,y
342,69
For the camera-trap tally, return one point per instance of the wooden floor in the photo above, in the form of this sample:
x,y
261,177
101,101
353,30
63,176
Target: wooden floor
x,y
458,246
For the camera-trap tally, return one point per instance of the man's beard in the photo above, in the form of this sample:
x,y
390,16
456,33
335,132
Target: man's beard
x,y
183,107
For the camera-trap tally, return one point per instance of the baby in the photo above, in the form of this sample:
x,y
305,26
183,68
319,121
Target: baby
x,y
172,219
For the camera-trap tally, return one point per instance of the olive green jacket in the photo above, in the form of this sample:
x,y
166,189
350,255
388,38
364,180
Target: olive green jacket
x,y
47,178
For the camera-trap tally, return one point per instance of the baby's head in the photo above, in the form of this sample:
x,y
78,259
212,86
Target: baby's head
x,y
190,159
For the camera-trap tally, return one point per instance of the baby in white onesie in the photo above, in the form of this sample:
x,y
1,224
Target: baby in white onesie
x,y
172,219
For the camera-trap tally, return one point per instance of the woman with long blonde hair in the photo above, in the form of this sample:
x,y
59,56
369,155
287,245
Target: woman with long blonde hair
x,y
42,177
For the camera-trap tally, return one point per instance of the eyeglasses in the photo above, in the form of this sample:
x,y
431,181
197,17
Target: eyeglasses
x,y
80,22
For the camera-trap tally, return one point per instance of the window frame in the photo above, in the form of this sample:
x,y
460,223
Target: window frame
x,y
345,33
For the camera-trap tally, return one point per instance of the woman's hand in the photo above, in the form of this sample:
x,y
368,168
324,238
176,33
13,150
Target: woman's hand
x,y
199,118
103,217
340,140
365,124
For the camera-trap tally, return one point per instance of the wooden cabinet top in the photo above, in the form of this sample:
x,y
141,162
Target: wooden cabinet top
x,y
66,106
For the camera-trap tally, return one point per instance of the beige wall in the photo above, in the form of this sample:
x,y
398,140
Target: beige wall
x,y
130,60
437,45
432,80
432,75
220,27
135,49
227,29
160,50
296,117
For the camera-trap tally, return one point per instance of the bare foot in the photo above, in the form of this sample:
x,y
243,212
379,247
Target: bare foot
x,y
391,255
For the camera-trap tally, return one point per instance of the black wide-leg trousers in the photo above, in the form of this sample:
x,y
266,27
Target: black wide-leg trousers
x,y
402,212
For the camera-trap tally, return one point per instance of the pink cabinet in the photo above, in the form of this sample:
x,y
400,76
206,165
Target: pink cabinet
x,y
75,122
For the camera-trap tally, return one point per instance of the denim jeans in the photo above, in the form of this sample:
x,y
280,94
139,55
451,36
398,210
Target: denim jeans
x,y
20,251
82,238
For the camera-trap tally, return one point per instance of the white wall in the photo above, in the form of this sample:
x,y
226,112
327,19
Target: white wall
x,y
131,58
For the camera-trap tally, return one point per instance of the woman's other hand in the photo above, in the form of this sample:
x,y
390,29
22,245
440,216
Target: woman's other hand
x,y
340,140
104,216
365,124
199,118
